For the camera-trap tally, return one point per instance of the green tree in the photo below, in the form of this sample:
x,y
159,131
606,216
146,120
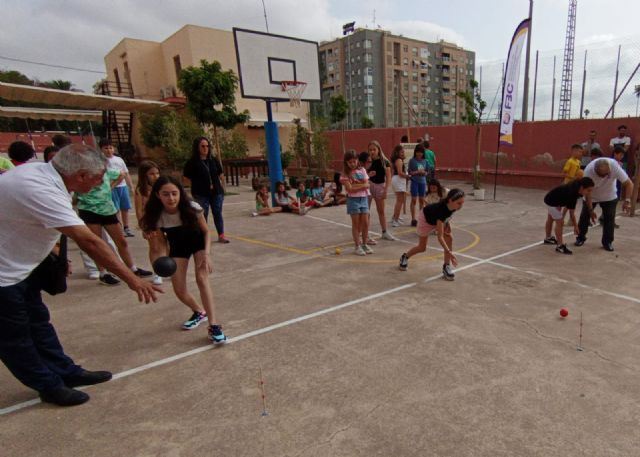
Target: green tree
x,y
320,141
474,108
58,84
299,143
367,123
14,77
338,113
172,131
210,93
233,145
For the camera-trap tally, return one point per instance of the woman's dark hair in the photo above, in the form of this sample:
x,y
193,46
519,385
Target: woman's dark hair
x,y
349,155
195,147
143,185
278,184
435,182
395,153
363,157
154,207
48,151
20,151
419,148
454,194
336,180
404,139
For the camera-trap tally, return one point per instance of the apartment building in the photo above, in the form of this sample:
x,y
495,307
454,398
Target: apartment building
x,y
149,70
396,81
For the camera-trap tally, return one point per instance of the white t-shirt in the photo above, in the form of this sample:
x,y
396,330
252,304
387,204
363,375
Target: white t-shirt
x,y
625,141
168,220
116,163
34,202
605,188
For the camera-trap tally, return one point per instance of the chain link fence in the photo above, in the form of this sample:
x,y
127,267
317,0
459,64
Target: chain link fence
x,y
597,77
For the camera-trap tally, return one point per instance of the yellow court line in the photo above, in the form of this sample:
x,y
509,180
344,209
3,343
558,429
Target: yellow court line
x,y
348,258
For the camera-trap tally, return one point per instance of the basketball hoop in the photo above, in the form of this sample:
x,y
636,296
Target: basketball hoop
x,y
295,90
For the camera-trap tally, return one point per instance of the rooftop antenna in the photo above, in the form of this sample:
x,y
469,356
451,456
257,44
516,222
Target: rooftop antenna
x,y
264,8
374,17
567,67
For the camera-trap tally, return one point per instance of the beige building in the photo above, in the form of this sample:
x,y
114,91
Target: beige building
x,y
149,70
396,81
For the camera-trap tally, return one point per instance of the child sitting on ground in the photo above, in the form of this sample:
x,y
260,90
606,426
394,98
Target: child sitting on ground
x,y
335,189
262,203
303,195
286,203
320,195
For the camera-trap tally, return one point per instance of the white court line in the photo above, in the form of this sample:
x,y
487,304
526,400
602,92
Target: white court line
x,y
286,323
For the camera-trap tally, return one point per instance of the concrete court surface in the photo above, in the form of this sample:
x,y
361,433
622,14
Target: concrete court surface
x,y
391,363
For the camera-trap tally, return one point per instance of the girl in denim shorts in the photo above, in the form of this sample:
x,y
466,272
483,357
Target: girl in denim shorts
x,y
356,182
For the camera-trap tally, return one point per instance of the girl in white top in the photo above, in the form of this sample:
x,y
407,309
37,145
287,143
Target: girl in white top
x,y
435,192
182,222
398,182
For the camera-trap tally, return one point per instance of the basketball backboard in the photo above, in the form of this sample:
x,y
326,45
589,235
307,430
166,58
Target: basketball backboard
x,y
265,60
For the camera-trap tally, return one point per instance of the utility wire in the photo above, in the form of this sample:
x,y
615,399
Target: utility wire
x,y
51,65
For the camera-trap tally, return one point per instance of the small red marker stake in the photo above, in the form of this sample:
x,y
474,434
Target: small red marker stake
x,y
564,312
264,396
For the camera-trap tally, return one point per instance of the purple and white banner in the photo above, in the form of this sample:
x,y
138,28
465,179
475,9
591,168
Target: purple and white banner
x,y
510,83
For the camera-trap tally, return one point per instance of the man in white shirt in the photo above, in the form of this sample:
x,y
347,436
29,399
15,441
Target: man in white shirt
x,y
604,172
622,139
589,146
36,208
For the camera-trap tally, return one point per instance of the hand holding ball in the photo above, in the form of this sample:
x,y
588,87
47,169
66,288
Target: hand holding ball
x,y
164,266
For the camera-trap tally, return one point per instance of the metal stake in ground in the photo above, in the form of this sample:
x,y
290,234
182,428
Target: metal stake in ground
x,y
579,348
264,397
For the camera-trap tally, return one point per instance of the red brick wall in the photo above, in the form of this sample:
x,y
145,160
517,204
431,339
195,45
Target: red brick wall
x,y
535,160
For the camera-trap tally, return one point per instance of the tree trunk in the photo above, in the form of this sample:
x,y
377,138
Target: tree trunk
x,y
476,166
343,149
217,143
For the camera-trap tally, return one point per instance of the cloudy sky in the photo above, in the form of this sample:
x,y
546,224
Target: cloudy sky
x,y
78,33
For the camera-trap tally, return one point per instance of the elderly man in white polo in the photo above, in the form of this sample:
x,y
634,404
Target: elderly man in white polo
x,y
604,172
35,210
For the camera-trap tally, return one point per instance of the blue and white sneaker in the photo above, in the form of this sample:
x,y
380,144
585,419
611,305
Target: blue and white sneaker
x,y
216,335
196,319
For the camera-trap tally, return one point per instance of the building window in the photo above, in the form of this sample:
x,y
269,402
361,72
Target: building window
x,y
367,44
414,51
177,65
405,48
117,77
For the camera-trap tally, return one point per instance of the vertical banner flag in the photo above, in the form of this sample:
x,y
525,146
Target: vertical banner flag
x,y
510,83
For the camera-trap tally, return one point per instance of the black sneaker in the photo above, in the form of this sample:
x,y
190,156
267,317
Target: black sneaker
x,y
195,320
87,378
216,335
579,241
447,273
64,396
608,247
414,223
108,279
142,273
404,262
550,240
563,249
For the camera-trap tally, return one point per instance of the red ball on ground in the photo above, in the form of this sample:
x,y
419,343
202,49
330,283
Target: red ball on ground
x,y
564,312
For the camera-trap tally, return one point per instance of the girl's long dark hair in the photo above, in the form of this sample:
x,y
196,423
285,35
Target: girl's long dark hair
x,y
154,207
195,148
435,182
143,185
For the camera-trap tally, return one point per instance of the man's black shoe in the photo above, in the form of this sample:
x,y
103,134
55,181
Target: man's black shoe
x,y
87,378
64,396
608,247
579,241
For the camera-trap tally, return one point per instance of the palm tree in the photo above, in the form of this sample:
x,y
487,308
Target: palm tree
x,y
636,91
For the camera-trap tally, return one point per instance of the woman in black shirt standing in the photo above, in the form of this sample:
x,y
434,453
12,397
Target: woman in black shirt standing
x,y
207,182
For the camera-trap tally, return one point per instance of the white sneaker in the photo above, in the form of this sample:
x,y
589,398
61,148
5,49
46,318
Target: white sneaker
x,y
157,280
254,214
400,219
395,223
367,249
94,275
388,236
359,251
